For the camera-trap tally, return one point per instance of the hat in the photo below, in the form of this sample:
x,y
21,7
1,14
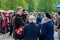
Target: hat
x,y
48,15
32,19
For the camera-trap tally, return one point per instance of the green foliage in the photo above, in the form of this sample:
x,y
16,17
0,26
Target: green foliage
x,y
29,5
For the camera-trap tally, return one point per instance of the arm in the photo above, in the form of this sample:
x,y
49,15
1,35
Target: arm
x,y
43,30
24,31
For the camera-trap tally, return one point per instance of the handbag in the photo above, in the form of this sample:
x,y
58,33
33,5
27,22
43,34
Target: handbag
x,y
19,30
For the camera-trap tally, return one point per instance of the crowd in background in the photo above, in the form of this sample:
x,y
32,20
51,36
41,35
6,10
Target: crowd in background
x,y
29,26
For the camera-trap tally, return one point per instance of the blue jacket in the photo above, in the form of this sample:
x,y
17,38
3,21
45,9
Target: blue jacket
x,y
31,31
47,31
39,18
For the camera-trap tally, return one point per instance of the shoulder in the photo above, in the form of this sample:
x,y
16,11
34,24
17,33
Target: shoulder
x,y
38,26
26,25
49,24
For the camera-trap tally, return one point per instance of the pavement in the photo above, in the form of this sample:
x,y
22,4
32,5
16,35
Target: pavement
x,y
6,37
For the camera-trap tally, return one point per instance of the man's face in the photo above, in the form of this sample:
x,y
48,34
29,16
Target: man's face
x,y
58,16
20,11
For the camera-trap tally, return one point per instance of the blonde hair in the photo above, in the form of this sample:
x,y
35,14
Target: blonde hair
x,y
19,7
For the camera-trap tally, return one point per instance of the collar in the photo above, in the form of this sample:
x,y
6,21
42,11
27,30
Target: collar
x,y
45,21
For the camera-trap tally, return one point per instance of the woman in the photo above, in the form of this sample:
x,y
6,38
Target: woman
x,y
58,24
47,29
31,30
4,23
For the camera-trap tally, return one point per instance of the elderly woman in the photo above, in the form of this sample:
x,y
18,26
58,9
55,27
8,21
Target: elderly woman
x,y
31,30
47,29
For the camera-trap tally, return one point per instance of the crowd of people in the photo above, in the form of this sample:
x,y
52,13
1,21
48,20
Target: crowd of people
x,y
29,26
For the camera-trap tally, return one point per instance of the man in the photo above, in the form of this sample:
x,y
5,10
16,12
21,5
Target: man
x,y
47,29
31,30
19,23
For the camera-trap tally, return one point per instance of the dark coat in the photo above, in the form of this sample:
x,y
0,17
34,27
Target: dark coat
x,y
38,19
18,22
0,23
47,32
31,31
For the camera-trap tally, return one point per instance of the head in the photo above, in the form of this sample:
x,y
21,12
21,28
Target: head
x,y
19,10
32,19
11,14
35,14
48,15
58,14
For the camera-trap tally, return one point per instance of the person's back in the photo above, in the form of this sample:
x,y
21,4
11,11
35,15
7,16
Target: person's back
x,y
31,31
47,29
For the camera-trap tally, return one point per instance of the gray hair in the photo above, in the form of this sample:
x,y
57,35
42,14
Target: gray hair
x,y
32,19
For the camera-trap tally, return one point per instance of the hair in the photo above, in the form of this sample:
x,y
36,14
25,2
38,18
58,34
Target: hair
x,y
32,19
48,15
23,10
58,12
19,7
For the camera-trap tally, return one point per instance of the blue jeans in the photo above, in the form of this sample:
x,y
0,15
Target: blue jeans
x,y
59,33
6,29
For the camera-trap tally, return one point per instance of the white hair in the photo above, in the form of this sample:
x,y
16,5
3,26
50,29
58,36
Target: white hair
x,y
32,19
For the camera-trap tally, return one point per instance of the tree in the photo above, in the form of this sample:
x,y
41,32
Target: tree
x,y
29,5
0,4
41,6
49,6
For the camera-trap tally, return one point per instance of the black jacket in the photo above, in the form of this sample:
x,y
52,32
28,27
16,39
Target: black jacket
x,y
18,22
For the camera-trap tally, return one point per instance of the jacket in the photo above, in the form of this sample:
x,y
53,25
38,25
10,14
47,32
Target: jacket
x,y
31,31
